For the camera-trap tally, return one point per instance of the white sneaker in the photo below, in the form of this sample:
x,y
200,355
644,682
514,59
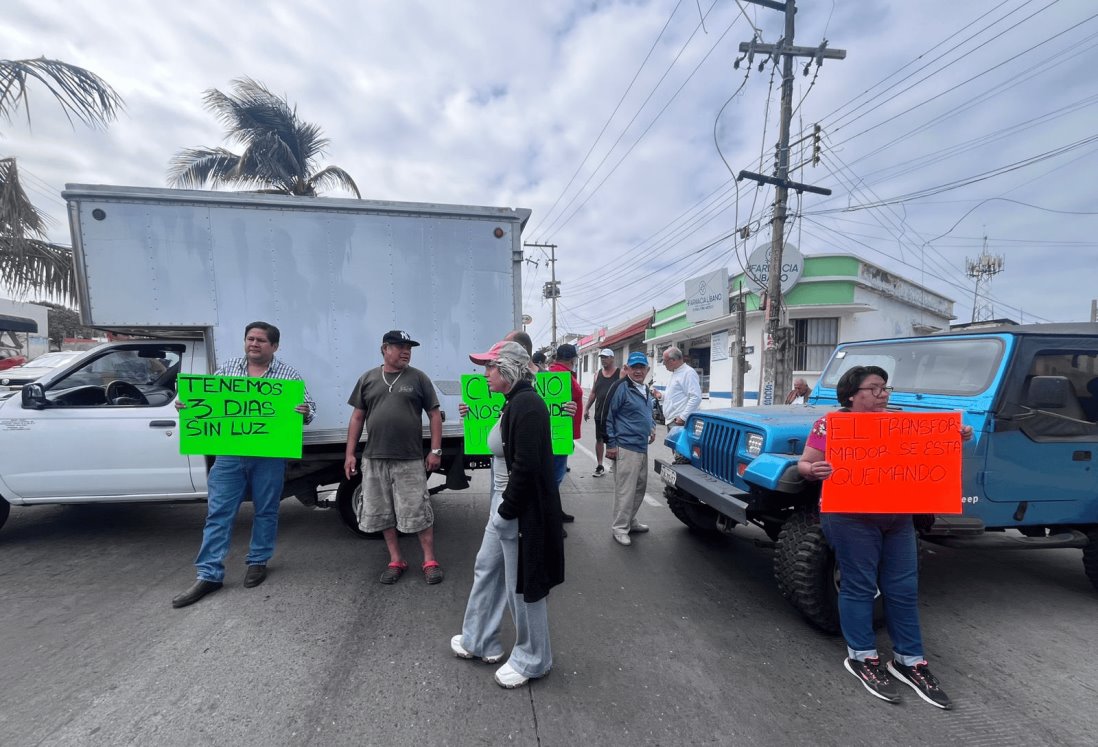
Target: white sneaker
x,y
638,528
461,653
508,678
622,539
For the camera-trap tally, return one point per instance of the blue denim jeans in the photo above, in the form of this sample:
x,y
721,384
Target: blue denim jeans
x,y
495,576
877,551
229,480
560,467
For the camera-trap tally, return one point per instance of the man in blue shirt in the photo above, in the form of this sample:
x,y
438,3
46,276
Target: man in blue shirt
x,y
629,430
231,477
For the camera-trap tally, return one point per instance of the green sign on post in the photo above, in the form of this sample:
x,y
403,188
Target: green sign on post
x,y
240,416
485,406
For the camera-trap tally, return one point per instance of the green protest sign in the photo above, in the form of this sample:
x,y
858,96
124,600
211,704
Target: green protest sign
x,y
485,406
240,416
556,389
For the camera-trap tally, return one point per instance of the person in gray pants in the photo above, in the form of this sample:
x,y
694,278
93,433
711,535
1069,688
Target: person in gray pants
x,y
629,431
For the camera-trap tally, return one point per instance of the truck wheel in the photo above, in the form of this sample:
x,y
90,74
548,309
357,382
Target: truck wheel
x,y
348,503
5,509
806,572
699,518
1090,556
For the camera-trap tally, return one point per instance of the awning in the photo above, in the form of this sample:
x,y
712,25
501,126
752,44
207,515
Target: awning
x,y
10,323
624,334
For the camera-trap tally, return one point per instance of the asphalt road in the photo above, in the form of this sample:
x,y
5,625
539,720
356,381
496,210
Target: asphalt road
x,y
675,640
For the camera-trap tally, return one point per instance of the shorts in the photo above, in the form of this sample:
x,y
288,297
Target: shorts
x,y
394,494
600,427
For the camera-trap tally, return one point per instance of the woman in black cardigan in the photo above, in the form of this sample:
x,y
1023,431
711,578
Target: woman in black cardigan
x,y
522,554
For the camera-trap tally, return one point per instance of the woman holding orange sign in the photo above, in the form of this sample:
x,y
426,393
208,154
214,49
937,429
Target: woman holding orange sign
x,y
875,551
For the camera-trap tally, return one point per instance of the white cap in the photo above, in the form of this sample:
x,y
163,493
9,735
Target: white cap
x,y
606,353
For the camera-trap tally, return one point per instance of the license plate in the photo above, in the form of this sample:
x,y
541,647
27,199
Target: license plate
x,y
669,475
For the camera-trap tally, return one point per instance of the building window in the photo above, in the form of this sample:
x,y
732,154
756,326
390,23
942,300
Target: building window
x,y
813,342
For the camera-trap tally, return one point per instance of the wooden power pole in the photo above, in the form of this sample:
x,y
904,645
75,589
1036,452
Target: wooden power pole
x,y
777,371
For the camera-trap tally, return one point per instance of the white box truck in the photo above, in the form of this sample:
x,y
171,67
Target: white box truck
x,y
190,270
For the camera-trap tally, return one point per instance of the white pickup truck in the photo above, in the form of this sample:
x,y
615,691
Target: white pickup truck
x,y
185,271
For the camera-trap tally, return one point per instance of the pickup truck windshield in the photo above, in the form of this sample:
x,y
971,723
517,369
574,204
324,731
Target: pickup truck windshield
x,y
930,366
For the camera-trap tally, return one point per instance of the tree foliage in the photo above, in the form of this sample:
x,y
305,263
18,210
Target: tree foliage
x,y
27,260
279,150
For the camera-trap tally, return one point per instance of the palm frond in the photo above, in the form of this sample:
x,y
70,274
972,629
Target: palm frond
x,y
82,94
193,167
279,149
32,264
18,215
334,176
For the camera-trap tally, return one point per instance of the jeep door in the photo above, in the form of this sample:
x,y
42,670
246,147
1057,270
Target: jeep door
x,y
1044,446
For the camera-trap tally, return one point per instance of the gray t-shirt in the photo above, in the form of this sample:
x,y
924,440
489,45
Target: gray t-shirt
x,y
393,405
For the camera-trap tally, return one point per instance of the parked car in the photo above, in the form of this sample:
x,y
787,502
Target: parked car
x,y
14,378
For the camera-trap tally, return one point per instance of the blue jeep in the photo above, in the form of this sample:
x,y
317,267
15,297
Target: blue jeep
x,y
1030,393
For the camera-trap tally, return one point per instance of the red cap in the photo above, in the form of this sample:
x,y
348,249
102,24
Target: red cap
x,y
493,353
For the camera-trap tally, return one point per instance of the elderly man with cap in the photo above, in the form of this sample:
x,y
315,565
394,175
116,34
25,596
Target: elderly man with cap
x,y
389,401
565,360
604,379
629,431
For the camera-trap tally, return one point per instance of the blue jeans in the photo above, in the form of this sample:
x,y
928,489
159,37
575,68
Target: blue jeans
x,y
229,480
560,467
495,576
877,551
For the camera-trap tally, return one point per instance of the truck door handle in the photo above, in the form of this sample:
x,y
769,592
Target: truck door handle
x,y
162,424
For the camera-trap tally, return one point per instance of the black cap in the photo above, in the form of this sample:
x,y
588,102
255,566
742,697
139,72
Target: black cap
x,y
567,352
538,357
398,337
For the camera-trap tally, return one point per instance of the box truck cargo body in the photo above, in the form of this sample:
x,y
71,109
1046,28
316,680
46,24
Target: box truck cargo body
x,y
184,272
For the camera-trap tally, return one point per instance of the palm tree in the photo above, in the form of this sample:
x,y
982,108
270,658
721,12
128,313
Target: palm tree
x,y
27,260
279,149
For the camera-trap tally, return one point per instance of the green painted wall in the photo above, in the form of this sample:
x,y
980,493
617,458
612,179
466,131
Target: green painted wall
x,y
670,311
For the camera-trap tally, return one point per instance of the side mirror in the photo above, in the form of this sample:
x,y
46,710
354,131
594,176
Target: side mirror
x,y
34,397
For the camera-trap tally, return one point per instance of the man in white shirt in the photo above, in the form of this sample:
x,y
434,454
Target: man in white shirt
x,y
683,394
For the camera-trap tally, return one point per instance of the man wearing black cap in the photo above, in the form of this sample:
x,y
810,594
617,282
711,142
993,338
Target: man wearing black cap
x,y
389,401
565,360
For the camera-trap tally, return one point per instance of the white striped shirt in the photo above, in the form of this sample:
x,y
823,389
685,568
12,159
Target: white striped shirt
x,y
277,370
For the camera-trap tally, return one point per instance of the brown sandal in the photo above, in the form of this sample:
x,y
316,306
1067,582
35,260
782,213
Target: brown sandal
x,y
393,572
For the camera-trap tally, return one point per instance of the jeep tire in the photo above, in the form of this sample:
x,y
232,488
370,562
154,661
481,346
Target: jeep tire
x,y
804,569
1090,557
5,509
696,516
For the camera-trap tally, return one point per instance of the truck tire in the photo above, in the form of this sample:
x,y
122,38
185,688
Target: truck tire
x,y
805,570
348,502
697,517
5,509
1090,556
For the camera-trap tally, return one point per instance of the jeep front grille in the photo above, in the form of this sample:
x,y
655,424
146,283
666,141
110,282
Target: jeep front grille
x,y
719,443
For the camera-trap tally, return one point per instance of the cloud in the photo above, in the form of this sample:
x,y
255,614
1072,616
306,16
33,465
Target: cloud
x,y
499,103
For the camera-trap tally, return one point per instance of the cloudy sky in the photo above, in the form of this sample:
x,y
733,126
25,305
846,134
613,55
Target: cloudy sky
x,y
946,122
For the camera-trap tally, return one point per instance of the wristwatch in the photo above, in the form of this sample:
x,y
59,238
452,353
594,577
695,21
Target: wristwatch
x,y
436,452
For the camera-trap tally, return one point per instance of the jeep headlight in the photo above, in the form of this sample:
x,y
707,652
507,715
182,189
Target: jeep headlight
x,y
699,426
754,444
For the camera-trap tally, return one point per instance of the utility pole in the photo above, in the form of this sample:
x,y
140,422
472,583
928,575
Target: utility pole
x,y
776,369
740,358
550,290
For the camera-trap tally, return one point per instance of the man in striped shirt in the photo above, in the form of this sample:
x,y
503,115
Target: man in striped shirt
x,y
232,477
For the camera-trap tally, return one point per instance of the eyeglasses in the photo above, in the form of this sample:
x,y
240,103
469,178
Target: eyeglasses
x,y
877,390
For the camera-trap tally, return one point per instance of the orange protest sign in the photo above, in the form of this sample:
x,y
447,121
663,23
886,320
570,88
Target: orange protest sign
x,y
893,462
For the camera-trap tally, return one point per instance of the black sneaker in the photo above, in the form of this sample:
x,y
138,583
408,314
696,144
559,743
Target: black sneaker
x,y
919,679
567,518
599,471
874,678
